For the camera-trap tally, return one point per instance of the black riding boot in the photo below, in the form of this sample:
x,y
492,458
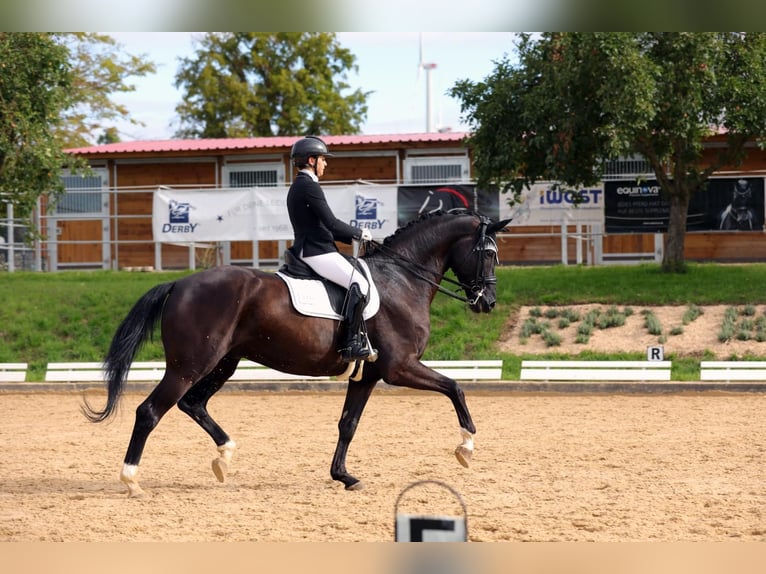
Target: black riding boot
x,y
354,345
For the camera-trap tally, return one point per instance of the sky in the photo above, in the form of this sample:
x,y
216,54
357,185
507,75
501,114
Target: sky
x,y
387,66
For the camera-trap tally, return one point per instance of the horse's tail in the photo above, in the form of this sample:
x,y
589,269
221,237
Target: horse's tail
x,y
132,333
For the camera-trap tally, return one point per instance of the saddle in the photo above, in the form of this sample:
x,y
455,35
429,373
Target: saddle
x,y
315,296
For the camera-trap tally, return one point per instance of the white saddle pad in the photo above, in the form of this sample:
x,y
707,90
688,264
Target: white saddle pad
x,y
310,297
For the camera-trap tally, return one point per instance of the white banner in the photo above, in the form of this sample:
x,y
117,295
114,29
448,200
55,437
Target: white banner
x,y
544,205
202,215
246,214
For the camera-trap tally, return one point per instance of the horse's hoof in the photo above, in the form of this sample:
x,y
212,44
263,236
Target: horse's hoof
x,y
220,469
463,455
135,491
355,486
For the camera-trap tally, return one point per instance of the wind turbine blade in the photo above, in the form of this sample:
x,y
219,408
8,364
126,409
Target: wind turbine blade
x,y
420,57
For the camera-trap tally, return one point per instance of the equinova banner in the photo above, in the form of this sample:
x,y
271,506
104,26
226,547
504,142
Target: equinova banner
x,y
724,204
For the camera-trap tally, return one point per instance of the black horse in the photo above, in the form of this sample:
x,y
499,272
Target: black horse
x,y
740,214
212,319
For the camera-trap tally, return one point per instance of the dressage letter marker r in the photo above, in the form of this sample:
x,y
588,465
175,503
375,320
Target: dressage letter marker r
x,y
655,353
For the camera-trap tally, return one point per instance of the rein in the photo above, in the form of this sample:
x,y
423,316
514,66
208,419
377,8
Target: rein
x,y
416,268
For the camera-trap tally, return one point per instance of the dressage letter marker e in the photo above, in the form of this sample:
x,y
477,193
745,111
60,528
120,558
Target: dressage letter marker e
x,y
419,528
655,353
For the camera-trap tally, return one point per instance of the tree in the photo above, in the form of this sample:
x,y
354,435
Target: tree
x,y
54,94
99,69
576,100
246,84
35,88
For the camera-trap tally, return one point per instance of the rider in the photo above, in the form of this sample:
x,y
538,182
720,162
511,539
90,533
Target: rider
x,y
316,229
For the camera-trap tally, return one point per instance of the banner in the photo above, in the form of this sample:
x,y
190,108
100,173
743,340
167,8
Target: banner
x,y
545,204
414,200
209,215
247,214
725,204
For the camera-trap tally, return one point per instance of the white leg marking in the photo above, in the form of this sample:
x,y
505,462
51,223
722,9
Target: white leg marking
x,y
128,476
227,450
467,439
129,472
221,464
464,451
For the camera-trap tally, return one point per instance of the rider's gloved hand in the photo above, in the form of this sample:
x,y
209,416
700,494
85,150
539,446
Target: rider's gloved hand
x,y
366,235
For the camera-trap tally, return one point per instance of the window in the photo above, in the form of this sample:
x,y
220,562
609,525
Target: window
x,y
632,166
436,170
83,195
254,175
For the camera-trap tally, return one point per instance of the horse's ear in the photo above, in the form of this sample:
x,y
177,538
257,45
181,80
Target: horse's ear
x,y
497,226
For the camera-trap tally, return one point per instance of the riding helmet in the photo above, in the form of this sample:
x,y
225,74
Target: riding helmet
x,y
307,147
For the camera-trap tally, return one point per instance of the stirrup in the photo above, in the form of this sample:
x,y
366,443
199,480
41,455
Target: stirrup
x,y
353,353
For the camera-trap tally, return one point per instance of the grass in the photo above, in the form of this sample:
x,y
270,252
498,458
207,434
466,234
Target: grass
x,y
71,316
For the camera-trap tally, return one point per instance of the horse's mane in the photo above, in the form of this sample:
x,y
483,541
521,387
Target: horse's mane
x,y
423,217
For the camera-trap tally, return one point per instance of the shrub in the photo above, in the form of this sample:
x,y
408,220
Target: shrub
x,y
551,313
551,339
652,323
692,313
571,315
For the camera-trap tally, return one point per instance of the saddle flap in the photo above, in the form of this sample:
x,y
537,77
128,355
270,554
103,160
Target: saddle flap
x,y
317,297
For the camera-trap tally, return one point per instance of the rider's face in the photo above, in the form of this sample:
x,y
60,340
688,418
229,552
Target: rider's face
x,y
321,164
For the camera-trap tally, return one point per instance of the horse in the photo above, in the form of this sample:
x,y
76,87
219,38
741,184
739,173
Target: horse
x,y
213,318
740,213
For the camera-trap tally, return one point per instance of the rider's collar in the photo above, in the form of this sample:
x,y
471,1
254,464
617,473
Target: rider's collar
x,y
310,173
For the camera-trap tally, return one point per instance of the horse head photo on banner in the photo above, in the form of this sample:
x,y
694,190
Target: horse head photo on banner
x,y
741,213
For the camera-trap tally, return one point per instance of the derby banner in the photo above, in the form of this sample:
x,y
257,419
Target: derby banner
x,y
260,213
203,215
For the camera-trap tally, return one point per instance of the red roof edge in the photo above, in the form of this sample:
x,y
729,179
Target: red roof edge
x,y
223,144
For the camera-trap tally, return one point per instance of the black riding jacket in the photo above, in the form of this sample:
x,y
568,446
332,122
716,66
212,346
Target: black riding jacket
x,y
314,225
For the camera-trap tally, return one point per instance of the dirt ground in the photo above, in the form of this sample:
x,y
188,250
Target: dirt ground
x,y
546,468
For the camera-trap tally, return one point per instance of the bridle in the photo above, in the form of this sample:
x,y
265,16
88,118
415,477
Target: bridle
x,y
484,243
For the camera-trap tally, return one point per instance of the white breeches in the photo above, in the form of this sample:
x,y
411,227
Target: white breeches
x,y
336,268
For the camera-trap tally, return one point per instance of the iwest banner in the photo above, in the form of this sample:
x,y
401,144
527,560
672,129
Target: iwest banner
x,y
549,204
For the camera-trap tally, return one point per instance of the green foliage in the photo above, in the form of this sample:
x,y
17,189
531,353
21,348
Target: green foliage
x,y
652,323
584,331
692,313
35,87
55,94
244,84
742,324
100,68
551,338
575,100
